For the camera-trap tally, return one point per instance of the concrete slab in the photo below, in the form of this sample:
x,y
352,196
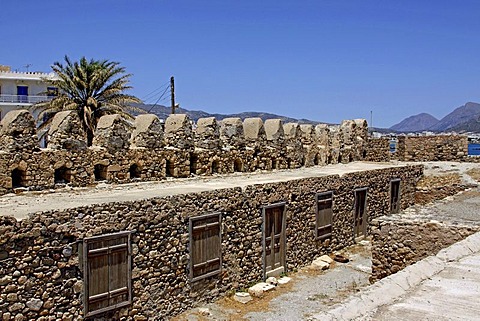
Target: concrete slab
x,y
442,287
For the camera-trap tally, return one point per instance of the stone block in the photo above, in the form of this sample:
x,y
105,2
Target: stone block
x,y
320,265
148,132
242,297
253,128
258,289
274,129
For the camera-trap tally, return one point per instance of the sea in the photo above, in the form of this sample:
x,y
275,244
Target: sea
x,y
473,149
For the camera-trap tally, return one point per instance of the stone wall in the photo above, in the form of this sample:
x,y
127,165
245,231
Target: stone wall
x,y
397,244
449,147
378,150
40,272
147,150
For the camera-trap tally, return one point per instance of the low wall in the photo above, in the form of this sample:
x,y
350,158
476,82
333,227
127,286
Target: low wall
x,y
398,244
449,147
42,278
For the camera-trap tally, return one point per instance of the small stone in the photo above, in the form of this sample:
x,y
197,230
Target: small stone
x,y
67,251
5,280
320,265
35,304
272,280
56,274
204,311
78,287
19,317
326,258
258,289
12,297
16,306
242,297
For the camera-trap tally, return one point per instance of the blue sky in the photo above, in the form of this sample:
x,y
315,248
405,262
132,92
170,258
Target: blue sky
x,y
322,60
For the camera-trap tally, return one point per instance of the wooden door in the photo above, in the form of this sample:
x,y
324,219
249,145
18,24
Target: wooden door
x,y
274,240
360,219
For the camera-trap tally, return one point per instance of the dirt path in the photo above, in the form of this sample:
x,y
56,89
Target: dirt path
x,y
308,292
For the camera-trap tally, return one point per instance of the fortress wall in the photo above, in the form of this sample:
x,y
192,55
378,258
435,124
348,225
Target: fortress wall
x,y
432,148
377,150
147,150
42,275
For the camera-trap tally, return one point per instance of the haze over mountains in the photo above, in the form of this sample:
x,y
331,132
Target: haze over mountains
x,y
162,112
465,118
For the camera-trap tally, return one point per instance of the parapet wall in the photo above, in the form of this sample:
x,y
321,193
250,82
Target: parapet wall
x,y
449,147
150,150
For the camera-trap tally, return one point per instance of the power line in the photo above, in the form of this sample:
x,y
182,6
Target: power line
x,y
155,104
158,89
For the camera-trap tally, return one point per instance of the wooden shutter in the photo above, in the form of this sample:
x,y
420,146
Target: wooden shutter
x,y
395,196
205,246
107,269
324,215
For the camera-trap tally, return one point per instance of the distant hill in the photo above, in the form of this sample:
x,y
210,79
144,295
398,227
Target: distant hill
x,y
415,123
461,118
465,118
163,112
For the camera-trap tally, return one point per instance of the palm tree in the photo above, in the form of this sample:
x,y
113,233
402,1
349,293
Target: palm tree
x,y
93,88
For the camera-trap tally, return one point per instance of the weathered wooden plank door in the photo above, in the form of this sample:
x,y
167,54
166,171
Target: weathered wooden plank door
x,y
360,213
395,196
274,239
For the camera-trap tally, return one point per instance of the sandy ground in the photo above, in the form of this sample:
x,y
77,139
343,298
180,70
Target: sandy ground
x,y
308,292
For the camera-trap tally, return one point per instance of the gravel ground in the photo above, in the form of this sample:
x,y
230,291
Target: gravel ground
x,y
308,292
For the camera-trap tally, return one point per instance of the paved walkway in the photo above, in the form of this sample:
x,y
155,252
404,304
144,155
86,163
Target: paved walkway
x,y
441,287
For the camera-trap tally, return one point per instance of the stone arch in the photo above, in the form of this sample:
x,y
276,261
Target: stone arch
x,y
274,163
62,175
135,171
100,172
169,168
350,158
339,160
364,154
193,164
329,159
316,159
238,165
18,178
215,166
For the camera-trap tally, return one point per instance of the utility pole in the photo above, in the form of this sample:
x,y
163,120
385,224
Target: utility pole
x,y
371,119
172,92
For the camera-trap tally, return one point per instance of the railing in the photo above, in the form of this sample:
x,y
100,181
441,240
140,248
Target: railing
x,y
23,99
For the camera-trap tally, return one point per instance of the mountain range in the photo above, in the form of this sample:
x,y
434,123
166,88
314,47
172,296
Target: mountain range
x,y
163,112
465,118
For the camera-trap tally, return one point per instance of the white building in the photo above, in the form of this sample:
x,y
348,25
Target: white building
x,y
20,90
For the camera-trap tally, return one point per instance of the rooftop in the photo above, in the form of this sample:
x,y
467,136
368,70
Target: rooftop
x,y
31,202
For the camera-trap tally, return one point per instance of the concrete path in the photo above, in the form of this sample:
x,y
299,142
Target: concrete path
x,y
441,287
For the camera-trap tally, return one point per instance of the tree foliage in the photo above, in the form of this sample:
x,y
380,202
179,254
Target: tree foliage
x,y
93,88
